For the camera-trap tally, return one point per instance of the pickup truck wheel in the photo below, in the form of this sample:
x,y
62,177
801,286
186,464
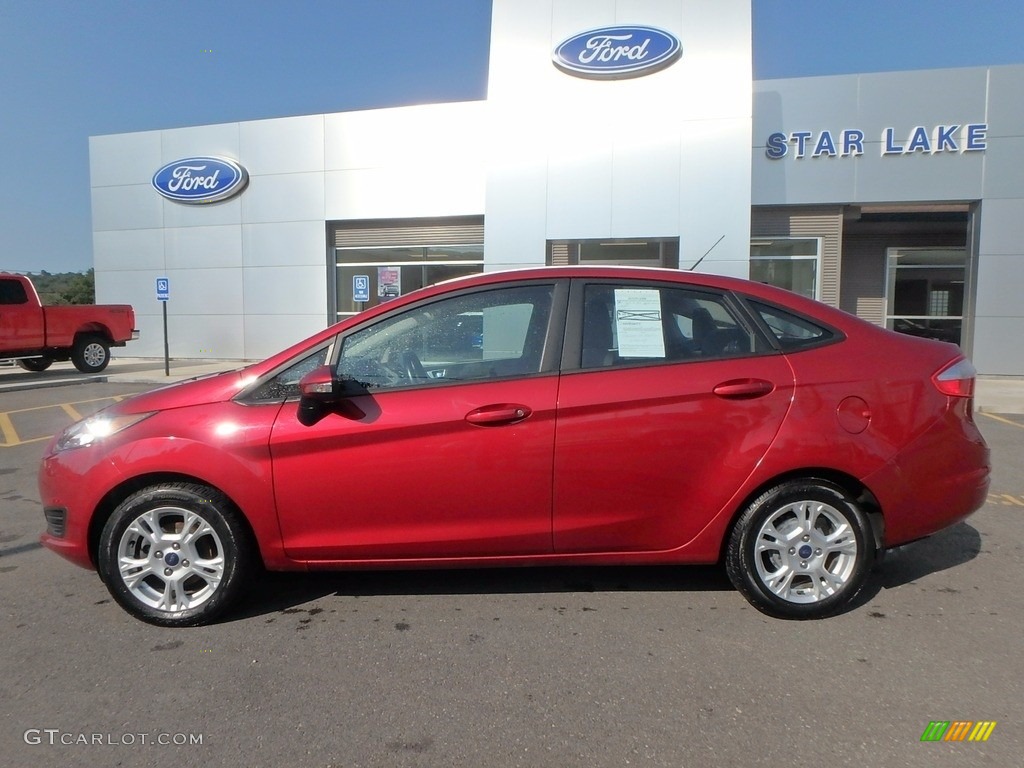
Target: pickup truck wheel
x,y
90,354
35,364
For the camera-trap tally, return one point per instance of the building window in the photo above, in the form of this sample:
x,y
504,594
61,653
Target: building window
x,y
925,294
367,276
793,263
647,252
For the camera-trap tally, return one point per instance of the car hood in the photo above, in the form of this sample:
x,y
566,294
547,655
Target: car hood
x,y
209,388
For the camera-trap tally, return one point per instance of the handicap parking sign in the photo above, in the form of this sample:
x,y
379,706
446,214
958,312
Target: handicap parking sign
x,y
163,289
360,287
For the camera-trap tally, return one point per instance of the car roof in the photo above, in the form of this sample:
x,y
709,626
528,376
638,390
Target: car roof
x,y
761,291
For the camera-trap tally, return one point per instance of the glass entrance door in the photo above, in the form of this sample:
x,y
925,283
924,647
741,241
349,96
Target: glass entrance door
x,y
365,277
925,295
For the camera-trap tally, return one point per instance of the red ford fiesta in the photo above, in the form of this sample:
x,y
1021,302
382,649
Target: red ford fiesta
x,y
544,416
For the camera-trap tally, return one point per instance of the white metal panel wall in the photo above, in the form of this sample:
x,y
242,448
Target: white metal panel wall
x,y
870,103
903,100
410,162
214,254
248,274
662,155
999,317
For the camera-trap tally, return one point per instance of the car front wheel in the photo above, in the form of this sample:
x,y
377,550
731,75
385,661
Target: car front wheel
x,y
175,554
802,550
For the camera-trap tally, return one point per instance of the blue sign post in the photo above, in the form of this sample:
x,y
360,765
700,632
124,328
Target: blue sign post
x,y
163,295
361,288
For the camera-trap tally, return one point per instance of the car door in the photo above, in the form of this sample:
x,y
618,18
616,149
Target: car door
x,y
444,447
667,403
21,320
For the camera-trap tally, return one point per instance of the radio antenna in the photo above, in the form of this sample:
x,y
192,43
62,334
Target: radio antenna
x,y
709,250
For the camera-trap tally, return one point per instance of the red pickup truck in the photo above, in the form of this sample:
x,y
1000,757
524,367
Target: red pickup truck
x,y
36,336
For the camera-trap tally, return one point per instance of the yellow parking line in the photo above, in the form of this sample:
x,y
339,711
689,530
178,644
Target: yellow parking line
x,y
56,405
1010,500
9,433
26,442
70,411
7,429
1000,418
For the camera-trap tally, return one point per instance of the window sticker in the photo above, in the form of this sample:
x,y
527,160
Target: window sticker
x,y
389,283
638,322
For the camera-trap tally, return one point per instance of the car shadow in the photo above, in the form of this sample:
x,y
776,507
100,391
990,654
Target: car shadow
x,y
276,592
904,565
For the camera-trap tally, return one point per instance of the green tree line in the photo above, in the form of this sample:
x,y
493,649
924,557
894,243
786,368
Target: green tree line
x,y
65,287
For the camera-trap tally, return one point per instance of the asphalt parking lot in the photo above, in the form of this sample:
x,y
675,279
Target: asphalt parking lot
x,y
545,667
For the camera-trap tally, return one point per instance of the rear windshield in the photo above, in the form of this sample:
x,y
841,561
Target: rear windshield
x,y
12,292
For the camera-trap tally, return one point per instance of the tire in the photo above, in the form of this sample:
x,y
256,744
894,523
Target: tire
x,y
35,364
90,354
802,550
162,575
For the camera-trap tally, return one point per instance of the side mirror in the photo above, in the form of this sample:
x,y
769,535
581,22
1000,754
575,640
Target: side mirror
x,y
319,385
322,393
318,390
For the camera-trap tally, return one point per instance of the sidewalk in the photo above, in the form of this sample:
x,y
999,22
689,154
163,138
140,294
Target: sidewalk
x,y
994,394
999,394
123,371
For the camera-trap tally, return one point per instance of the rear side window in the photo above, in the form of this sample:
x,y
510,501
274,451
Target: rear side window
x,y
626,324
793,332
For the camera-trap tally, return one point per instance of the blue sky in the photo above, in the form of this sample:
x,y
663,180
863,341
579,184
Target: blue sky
x,y
70,69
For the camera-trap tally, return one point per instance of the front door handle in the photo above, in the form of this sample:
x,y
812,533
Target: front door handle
x,y
744,389
498,414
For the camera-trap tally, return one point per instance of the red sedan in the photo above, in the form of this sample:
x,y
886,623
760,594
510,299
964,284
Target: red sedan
x,y
545,416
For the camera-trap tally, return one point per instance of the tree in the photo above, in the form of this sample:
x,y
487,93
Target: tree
x,y
65,287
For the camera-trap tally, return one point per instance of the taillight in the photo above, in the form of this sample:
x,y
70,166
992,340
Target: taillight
x,y
956,379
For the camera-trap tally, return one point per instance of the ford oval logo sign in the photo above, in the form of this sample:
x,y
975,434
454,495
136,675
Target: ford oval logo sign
x,y
617,52
200,179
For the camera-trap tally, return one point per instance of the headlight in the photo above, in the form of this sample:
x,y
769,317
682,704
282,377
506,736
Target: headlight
x,y
95,428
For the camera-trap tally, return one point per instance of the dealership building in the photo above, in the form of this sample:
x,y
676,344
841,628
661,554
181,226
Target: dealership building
x,y
613,132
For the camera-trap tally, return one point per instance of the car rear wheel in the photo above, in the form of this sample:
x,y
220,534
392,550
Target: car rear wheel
x,y
175,554
802,550
90,354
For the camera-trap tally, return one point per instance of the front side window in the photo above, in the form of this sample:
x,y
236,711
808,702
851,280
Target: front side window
x,y
285,383
625,324
476,336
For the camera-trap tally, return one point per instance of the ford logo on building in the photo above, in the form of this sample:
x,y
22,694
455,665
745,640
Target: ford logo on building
x,y
617,52
200,179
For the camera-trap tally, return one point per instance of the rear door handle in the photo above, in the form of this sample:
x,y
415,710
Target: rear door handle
x,y
498,414
744,389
